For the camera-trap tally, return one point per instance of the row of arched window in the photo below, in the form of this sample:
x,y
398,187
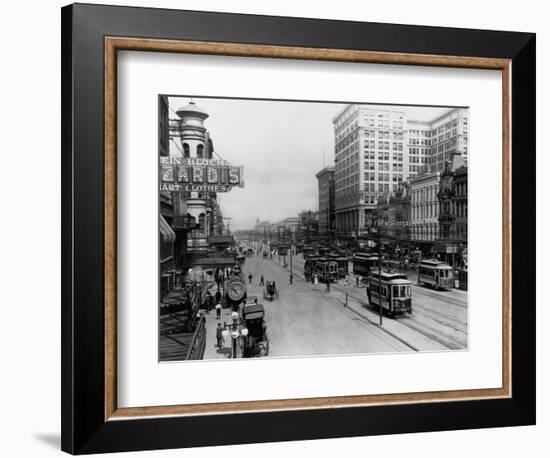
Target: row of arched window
x,y
187,152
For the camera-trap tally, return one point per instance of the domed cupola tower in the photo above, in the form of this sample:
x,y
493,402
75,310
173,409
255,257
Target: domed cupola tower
x,y
195,144
192,132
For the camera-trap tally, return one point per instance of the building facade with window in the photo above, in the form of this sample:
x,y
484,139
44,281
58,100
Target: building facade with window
x,y
424,212
449,136
418,146
370,159
199,211
308,226
377,148
325,181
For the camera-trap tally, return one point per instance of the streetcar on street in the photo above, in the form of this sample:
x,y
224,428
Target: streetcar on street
x,y
342,264
325,269
437,274
392,290
363,263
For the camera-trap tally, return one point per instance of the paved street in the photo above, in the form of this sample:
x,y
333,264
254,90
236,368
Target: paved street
x,y
306,321
439,320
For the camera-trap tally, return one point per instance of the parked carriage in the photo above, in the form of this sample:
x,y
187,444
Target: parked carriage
x,y
256,342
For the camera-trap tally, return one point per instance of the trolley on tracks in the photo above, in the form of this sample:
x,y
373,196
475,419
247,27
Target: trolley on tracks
x,y
436,274
364,263
392,291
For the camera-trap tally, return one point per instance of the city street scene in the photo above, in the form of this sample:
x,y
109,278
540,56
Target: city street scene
x,y
293,229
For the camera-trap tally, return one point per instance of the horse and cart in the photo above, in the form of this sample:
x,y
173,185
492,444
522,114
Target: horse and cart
x,y
270,291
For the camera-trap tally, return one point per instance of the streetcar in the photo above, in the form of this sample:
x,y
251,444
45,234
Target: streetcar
x,y
393,290
363,263
342,264
307,250
326,270
323,251
436,274
309,266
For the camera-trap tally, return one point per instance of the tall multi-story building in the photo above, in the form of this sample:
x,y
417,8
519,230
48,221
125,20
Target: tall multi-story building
x,y
379,147
370,160
418,146
325,179
449,136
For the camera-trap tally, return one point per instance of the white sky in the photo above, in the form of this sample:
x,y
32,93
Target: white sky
x,y
281,146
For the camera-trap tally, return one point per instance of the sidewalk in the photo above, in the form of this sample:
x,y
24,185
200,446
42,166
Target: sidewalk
x,y
211,350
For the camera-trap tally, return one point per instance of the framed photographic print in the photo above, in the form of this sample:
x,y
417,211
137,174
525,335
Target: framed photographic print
x,y
271,222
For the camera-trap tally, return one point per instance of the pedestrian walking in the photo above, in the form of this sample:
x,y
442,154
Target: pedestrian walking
x,y
261,280
347,280
218,311
208,302
219,335
291,278
249,277
328,286
357,281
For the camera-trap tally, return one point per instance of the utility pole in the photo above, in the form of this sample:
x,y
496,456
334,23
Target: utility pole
x,y
377,227
379,275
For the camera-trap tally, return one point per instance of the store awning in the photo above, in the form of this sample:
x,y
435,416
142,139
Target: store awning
x,y
166,232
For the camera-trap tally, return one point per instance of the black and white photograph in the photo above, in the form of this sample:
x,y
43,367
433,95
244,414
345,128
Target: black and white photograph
x,y
307,228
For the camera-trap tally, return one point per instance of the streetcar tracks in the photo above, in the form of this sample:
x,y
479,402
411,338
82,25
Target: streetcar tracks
x,y
434,314
447,341
440,297
428,331
371,324
421,328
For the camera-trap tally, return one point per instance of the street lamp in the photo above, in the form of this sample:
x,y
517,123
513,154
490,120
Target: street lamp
x,y
237,332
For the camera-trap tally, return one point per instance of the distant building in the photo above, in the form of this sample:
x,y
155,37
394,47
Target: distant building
x,y
327,216
460,198
286,229
308,227
425,208
393,214
453,213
